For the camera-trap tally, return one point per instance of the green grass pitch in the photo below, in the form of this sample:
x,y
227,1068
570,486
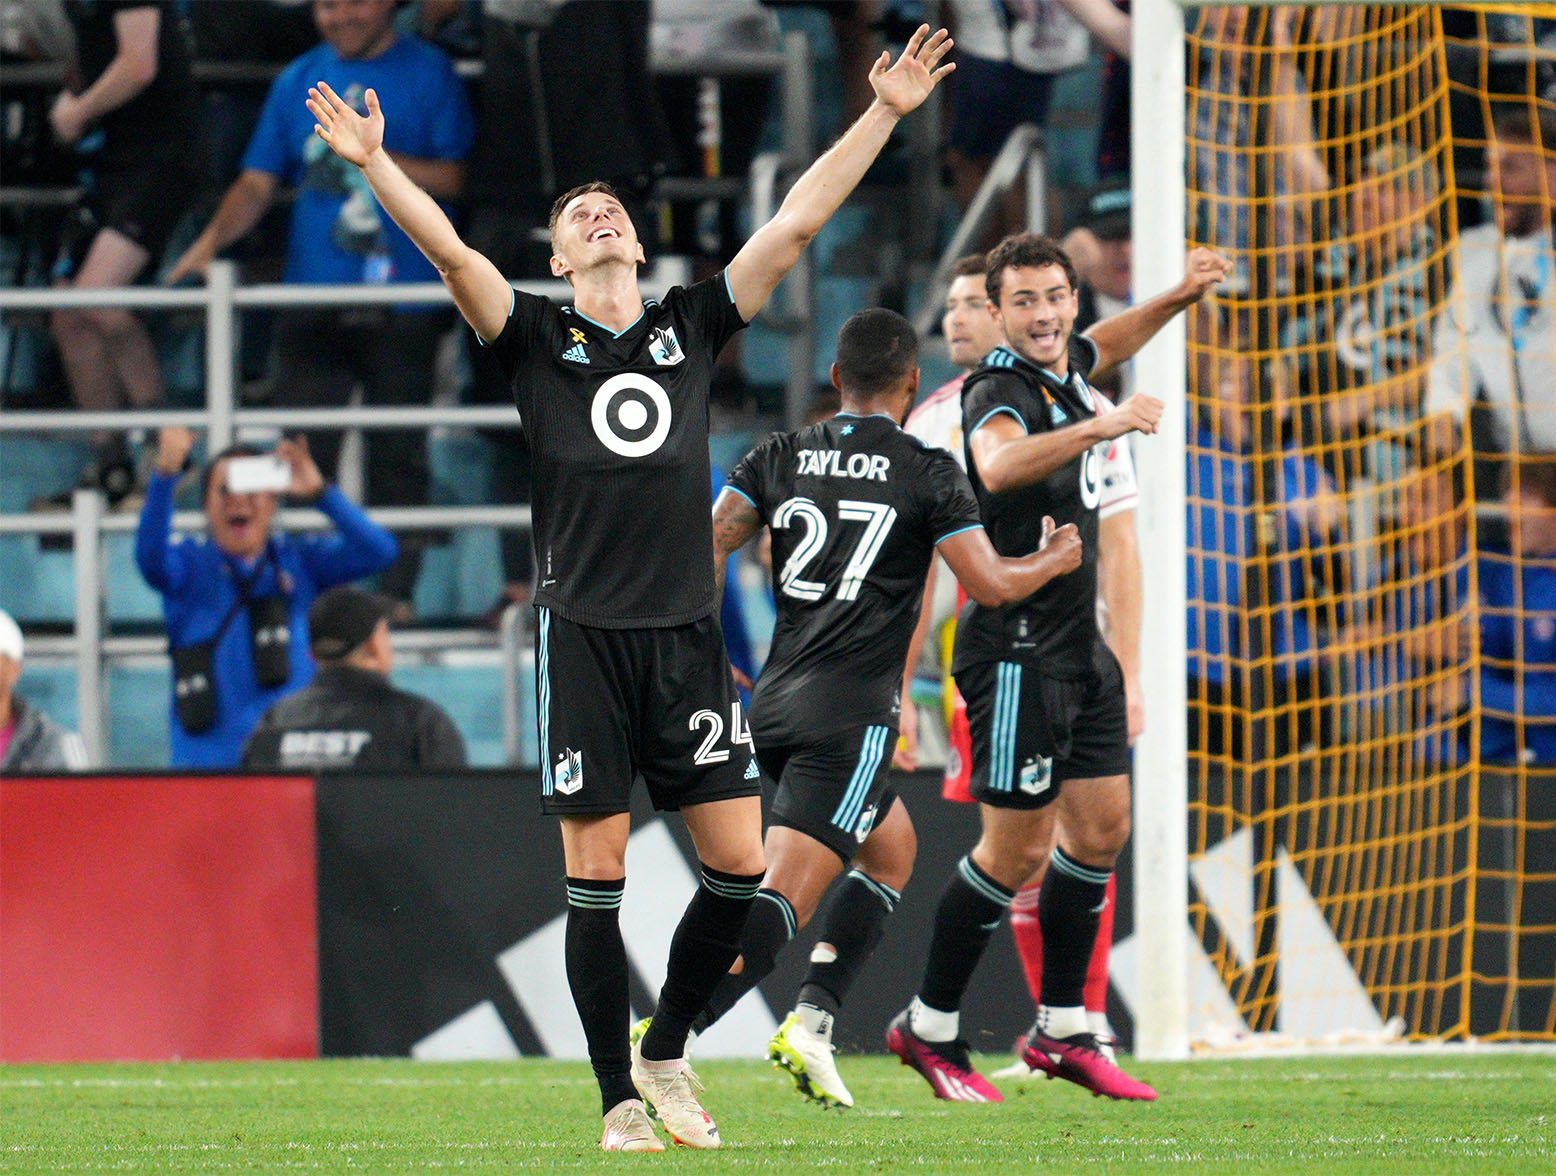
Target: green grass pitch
x,y
1407,1112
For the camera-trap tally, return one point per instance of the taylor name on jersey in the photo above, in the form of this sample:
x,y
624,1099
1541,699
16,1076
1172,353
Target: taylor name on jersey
x,y
830,463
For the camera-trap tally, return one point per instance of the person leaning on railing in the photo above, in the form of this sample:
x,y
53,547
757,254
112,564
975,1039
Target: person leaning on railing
x,y
236,599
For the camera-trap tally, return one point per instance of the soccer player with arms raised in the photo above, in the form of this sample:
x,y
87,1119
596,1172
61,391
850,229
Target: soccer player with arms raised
x,y
857,509
630,663
1045,696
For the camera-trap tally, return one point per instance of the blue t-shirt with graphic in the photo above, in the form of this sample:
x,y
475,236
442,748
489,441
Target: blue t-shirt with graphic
x,y
340,234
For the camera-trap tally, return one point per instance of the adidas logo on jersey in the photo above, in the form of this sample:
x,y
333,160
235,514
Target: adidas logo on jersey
x,y
752,771
576,354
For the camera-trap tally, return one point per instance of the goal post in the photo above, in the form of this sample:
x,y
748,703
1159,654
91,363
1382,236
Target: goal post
x,y
1327,846
1158,154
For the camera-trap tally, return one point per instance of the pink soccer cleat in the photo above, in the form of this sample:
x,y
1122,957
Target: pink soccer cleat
x,y
944,1064
1080,1060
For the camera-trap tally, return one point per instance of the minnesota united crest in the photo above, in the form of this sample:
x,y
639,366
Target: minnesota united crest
x,y
665,347
568,772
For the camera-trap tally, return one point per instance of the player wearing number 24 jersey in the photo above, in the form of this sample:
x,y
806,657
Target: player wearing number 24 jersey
x,y
857,509
630,670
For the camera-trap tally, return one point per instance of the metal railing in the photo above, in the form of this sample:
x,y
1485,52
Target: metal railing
x,y
1022,160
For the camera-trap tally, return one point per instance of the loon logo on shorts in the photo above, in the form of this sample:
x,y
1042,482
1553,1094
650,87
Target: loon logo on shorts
x,y
1036,775
866,823
569,771
665,347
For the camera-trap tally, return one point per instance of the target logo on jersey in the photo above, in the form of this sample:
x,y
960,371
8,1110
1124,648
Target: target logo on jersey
x,y
1091,478
631,415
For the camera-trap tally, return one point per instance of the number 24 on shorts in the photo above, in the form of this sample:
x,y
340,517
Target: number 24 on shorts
x,y
708,751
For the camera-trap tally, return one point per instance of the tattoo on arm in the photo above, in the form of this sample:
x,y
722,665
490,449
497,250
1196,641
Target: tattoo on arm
x,y
735,523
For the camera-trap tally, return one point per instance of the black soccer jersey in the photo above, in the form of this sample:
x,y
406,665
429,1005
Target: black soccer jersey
x,y
618,428
856,507
1055,628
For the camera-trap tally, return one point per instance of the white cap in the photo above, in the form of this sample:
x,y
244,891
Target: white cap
x,y
10,638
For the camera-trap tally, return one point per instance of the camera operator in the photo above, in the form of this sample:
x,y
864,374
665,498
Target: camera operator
x,y
237,598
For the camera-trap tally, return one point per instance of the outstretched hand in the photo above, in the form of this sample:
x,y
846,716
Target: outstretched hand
x,y
1204,269
350,135
906,84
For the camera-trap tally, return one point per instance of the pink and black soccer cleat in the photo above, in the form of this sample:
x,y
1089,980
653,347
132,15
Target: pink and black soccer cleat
x,y
943,1064
1078,1059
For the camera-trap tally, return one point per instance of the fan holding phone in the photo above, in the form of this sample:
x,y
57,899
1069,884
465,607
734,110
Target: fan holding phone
x,y
236,599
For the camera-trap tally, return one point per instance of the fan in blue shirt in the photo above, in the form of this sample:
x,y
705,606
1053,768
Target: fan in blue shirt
x,y
209,584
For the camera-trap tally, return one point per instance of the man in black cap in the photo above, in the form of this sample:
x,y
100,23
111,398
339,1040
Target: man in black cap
x,y
350,716
1099,244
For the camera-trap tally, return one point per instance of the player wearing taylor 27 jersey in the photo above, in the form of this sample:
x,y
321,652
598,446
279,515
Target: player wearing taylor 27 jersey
x,y
631,673
1045,699
857,509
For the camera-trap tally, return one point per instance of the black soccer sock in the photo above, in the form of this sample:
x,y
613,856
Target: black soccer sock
x,y
705,944
856,920
768,930
597,975
1069,907
970,909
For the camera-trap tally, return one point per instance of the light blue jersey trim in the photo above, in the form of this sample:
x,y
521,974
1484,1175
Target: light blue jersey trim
x,y
985,886
743,494
994,412
889,897
958,531
790,920
870,755
543,703
607,330
1065,864
513,300
1002,735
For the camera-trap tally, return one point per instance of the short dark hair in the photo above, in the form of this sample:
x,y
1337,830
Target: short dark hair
x,y
572,194
875,349
1525,123
242,449
1025,251
1536,475
972,264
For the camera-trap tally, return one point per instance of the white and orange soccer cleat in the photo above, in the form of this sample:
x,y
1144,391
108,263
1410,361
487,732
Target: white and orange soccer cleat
x,y
627,1129
671,1089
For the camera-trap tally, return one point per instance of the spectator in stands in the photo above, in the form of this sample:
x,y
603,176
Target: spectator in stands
x,y
1243,63
1495,341
1414,632
1008,55
1358,344
350,716
237,599
1518,623
1229,663
1101,247
339,234
30,741
130,82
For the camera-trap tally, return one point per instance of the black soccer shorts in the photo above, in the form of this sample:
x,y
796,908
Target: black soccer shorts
x,y
1031,733
613,703
833,788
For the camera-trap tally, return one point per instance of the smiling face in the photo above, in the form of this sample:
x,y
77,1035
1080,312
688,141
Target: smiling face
x,y
593,230
1036,310
239,523
970,328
